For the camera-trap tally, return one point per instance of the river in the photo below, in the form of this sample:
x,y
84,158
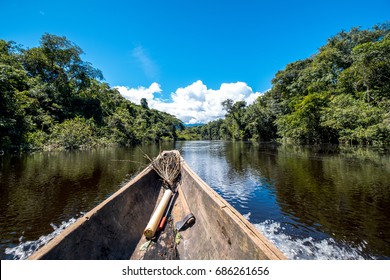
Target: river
x,y
316,202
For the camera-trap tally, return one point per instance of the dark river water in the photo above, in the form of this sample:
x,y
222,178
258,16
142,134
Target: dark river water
x,y
317,202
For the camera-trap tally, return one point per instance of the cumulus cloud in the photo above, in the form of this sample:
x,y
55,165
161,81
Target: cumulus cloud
x,y
135,94
195,103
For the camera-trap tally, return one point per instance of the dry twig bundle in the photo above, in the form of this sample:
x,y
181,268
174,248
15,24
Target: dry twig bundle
x,y
168,166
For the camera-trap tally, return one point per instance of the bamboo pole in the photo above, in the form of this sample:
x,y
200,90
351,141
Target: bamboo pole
x,y
154,221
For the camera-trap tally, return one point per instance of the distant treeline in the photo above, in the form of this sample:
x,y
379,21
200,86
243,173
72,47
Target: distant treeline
x,y
51,99
339,95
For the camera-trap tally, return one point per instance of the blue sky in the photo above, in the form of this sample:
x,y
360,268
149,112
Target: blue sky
x,y
186,56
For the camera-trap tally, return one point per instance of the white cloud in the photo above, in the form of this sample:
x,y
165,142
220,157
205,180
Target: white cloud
x,y
194,103
135,94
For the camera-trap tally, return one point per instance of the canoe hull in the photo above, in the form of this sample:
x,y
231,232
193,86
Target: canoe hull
x,y
114,229
220,231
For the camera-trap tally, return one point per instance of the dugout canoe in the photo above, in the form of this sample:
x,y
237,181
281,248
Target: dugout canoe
x,y
114,229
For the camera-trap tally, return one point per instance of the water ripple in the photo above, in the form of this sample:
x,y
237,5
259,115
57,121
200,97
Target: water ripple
x,y
27,248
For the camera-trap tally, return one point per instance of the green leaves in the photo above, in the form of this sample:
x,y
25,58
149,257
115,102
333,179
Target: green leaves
x,y
51,99
356,121
371,69
77,133
339,95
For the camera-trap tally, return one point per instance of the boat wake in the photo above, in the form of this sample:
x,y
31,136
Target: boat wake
x,y
27,248
307,248
293,248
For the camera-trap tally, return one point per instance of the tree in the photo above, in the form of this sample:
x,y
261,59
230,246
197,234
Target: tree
x,y
75,133
340,94
144,103
260,118
234,118
356,121
227,105
354,63
61,74
303,124
48,90
371,69
14,100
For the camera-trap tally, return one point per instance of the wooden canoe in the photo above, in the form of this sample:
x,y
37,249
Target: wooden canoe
x,y
114,229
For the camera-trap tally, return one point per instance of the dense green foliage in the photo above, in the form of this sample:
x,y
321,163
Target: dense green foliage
x,y
339,95
51,99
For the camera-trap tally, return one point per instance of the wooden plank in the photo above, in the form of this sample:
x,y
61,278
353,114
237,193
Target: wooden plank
x,y
224,220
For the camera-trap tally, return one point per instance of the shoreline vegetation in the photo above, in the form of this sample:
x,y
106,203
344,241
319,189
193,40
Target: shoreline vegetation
x,y
340,95
53,100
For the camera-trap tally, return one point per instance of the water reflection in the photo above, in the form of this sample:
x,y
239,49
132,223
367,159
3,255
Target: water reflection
x,y
312,202
42,189
343,197
319,193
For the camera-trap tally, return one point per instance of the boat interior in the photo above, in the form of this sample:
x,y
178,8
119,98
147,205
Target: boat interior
x,y
114,230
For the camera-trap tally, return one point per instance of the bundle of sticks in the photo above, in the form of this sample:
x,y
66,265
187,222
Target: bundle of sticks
x,y
168,167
